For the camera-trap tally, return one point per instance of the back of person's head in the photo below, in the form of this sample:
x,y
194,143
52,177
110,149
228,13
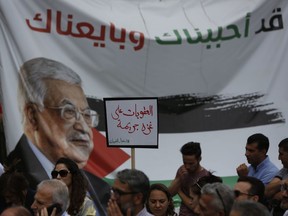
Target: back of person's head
x,y
209,179
222,194
16,211
60,193
33,75
261,140
191,148
284,144
14,186
257,186
164,189
249,208
136,180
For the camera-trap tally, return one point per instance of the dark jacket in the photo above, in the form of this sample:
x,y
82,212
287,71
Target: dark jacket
x,y
98,189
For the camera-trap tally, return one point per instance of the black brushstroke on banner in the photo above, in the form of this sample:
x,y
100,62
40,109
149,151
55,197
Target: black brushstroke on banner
x,y
194,113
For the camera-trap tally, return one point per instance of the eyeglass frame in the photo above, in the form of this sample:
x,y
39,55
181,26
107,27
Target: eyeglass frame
x,y
59,173
118,193
238,193
196,183
77,114
222,201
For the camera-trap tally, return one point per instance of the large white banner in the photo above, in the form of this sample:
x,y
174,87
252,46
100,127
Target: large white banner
x,y
218,68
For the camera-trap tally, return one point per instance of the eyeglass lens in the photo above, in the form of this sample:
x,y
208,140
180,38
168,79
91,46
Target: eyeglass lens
x,y
90,116
62,173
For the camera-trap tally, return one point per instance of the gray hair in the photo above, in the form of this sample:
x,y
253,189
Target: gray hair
x,y
60,193
32,80
250,208
223,196
136,180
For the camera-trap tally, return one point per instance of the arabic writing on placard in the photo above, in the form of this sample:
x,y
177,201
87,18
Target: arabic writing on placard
x,y
119,141
43,23
135,122
222,34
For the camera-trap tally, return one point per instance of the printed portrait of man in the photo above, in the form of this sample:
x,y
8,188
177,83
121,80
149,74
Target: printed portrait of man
x,y
57,122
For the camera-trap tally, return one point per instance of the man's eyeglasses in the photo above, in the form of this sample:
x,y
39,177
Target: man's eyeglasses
x,y
62,173
69,112
117,193
222,201
199,187
238,193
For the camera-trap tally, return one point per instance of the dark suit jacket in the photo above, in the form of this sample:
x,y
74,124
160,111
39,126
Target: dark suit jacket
x,y
35,173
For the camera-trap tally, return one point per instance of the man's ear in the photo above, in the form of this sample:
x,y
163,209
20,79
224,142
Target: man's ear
x,y
255,198
31,115
264,151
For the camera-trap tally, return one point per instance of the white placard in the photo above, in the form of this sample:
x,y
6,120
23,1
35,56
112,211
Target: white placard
x,y
131,122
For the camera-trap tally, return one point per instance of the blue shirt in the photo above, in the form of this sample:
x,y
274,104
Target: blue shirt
x,y
265,171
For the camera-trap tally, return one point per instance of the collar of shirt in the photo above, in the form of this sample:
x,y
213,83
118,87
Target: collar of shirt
x,y
47,165
265,161
144,212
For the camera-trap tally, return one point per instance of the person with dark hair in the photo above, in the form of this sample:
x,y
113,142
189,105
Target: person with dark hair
x,y
14,190
159,201
249,188
273,189
187,174
14,187
195,190
129,193
216,199
248,208
260,167
67,171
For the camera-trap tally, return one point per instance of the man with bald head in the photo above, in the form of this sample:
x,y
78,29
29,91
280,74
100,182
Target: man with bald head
x,y
16,211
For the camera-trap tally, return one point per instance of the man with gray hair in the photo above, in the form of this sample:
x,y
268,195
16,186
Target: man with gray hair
x,y
57,122
129,194
216,199
51,193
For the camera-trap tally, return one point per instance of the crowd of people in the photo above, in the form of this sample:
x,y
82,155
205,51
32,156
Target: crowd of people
x,y
256,192
44,174
261,183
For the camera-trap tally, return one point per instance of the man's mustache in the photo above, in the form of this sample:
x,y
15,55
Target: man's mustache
x,y
79,136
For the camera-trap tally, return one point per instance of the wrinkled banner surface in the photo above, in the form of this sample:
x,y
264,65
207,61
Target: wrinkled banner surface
x,y
218,68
